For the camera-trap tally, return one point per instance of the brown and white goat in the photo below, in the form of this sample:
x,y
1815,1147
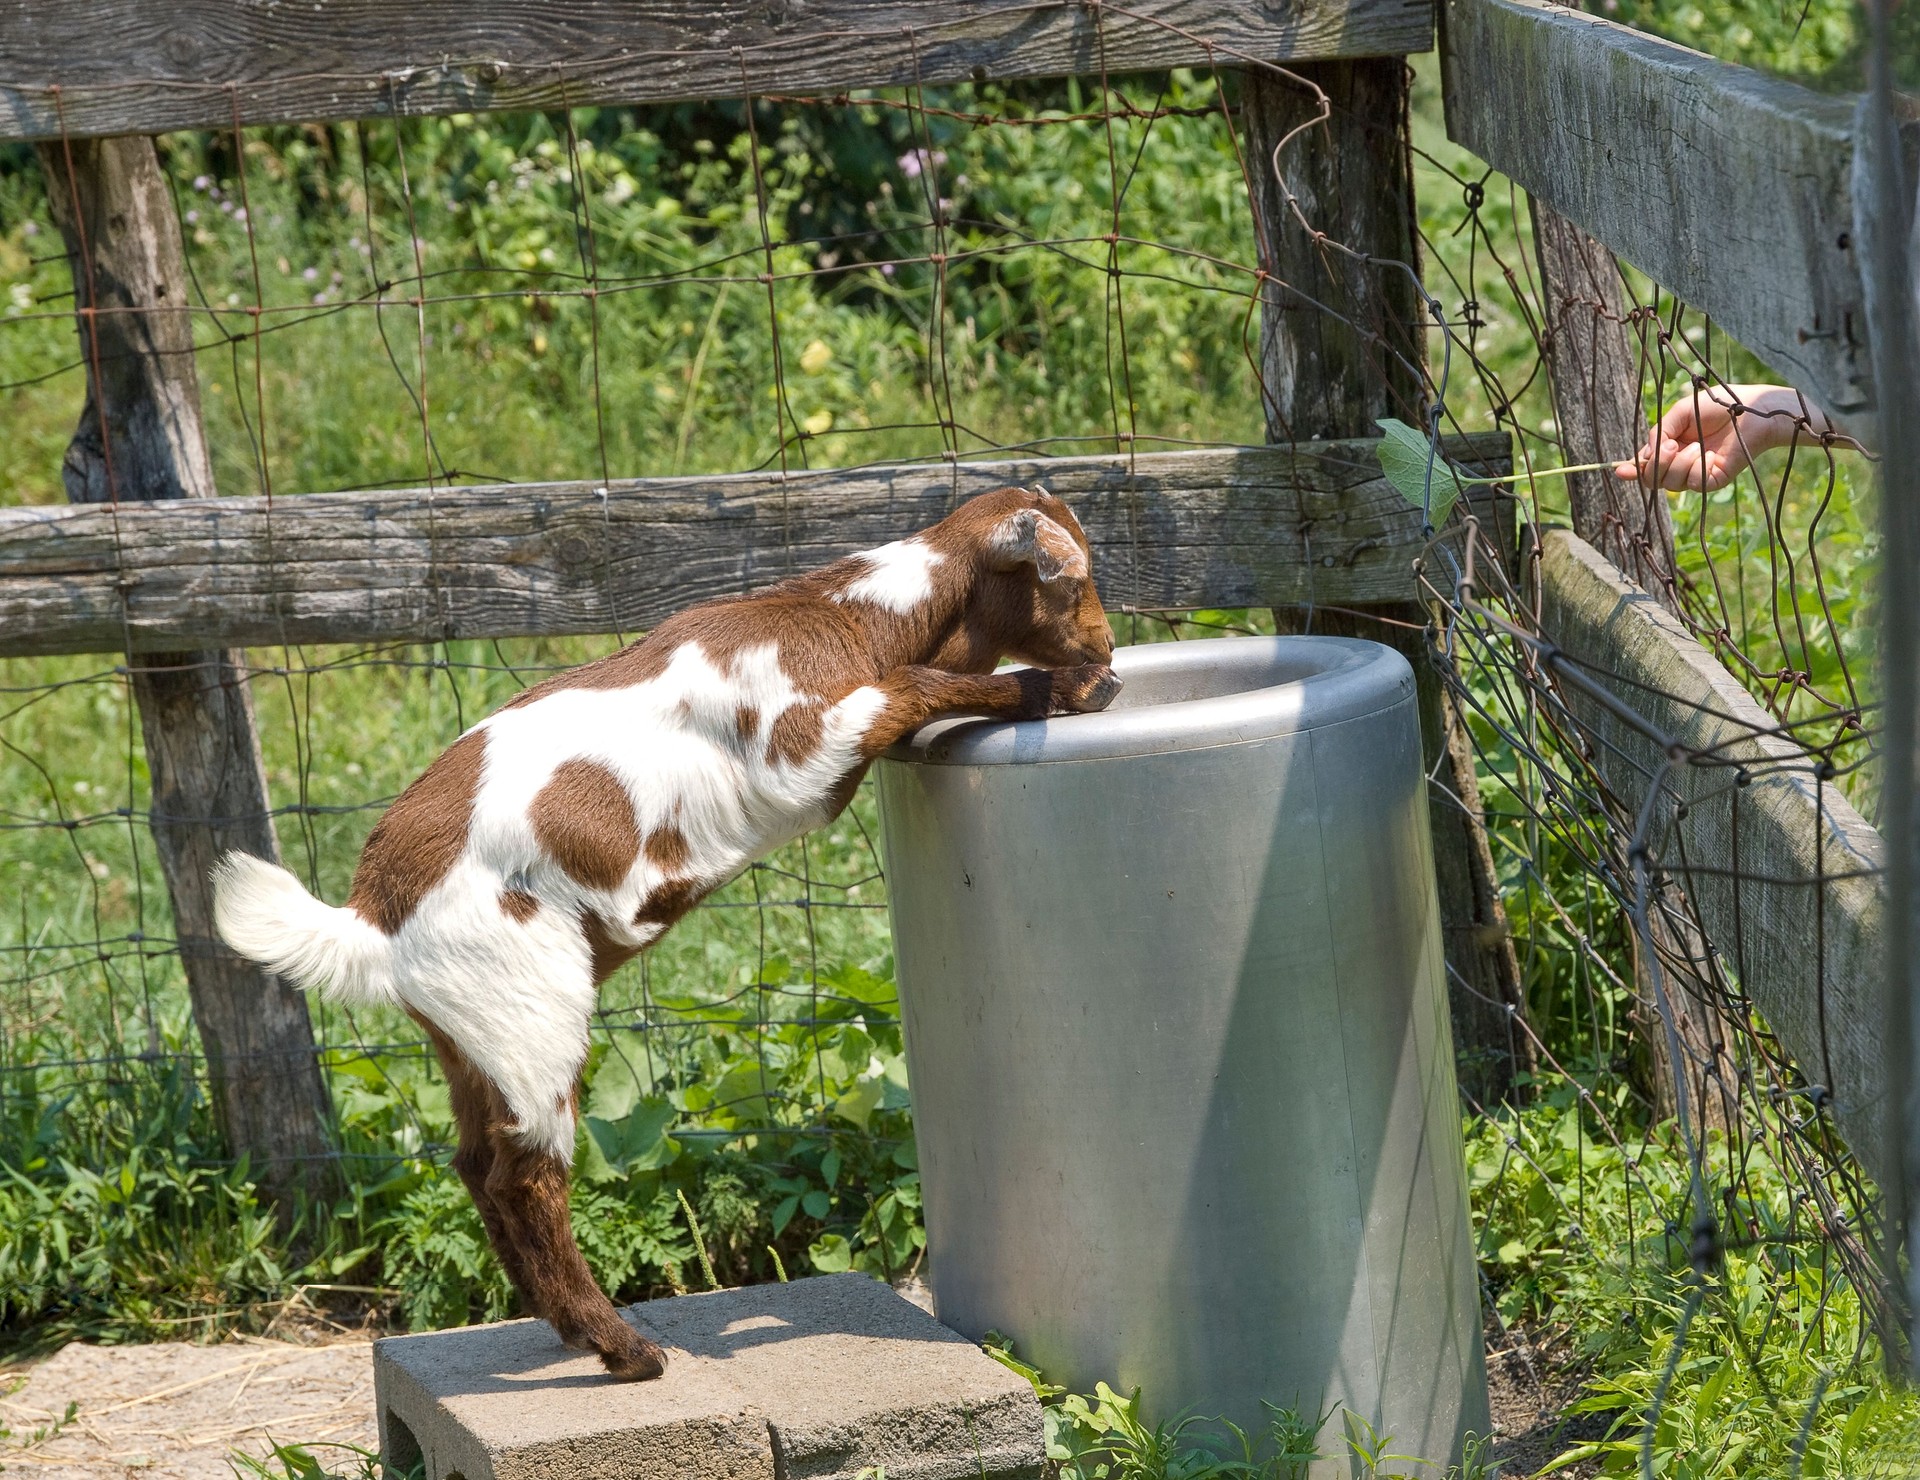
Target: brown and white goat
x,y
568,831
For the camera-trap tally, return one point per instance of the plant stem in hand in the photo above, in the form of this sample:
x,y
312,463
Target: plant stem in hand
x,y
1598,467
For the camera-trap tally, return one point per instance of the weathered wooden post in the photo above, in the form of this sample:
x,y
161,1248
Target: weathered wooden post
x,y
140,438
1341,344
1593,366
1887,221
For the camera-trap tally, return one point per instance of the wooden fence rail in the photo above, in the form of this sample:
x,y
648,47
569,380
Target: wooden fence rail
x,y
96,67
1783,871
1174,529
1730,189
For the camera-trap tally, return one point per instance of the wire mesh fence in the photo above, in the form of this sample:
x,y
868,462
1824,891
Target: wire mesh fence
x,y
938,275
834,278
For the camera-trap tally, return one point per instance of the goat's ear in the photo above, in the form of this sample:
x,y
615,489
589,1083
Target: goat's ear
x,y
1031,538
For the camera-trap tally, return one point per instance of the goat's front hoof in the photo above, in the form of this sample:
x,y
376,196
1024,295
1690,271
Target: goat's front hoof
x,y
1084,690
639,1361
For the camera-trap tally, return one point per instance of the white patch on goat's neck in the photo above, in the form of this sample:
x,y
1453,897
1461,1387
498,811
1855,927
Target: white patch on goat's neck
x,y
899,576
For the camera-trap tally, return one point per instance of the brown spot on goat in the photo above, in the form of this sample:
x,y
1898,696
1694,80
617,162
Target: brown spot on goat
x,y
519,904
667,902
584,820
667,849
746,723
420,838
609,955
796,734
832,645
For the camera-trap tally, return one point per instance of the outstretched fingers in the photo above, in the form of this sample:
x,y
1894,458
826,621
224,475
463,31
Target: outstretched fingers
x,y
1709,436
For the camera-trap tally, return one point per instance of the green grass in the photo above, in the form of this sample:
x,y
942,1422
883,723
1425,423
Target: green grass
x,y
765,1103
671,368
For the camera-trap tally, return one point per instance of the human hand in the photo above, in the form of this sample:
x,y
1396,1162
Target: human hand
x,y
1709,436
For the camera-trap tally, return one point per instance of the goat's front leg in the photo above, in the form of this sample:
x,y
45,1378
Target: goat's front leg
x,y
914,696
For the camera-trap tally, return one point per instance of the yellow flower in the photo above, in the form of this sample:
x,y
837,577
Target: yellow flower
x,y
819,422
815,358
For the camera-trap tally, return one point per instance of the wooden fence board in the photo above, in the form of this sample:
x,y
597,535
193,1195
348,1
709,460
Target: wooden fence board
x,y
1731,189
1174,529
1808,953
136,66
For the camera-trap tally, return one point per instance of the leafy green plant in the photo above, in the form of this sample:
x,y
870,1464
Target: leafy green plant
x,y
1105,1438
1417,471
302,1462
1372,1451
1583,1236
115,1224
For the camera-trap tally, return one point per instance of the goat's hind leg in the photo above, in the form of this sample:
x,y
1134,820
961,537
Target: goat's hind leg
x,y
519,1175
477,1110
529,1187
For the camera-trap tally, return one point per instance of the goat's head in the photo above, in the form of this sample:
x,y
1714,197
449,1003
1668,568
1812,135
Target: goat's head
x,y
1033,597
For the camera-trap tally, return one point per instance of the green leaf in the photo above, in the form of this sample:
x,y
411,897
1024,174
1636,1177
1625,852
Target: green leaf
x,y
851,1055
831,1254
858,1103
649,1147
1404,456
591,1163
1579,1453
618,1084
341,1263
741,1094
862,985
1000,1348
815,1202
637,1142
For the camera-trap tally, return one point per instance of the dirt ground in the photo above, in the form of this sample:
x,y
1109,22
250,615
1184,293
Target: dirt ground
x,y
179,1411
1530,1391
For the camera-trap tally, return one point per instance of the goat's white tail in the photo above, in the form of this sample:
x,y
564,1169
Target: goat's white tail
x,y
266,914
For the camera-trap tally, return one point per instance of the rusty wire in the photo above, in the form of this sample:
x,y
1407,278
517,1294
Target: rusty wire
x,y
1568,845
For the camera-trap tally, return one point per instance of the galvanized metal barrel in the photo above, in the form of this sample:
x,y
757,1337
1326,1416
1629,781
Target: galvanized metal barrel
x,y
1177,1030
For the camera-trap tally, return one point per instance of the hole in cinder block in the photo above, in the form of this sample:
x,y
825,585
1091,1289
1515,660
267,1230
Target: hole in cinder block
x,y
400,1454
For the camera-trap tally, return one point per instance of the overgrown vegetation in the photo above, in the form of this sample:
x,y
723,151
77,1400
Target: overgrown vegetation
x,y
747,1108
1573,1244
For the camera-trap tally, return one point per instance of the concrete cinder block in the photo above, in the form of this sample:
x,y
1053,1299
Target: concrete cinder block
x,y
821,1378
